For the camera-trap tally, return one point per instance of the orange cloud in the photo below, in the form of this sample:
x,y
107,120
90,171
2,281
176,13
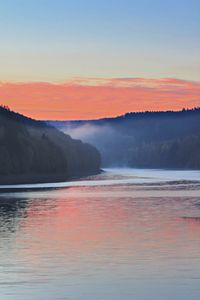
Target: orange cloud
x,y
97,98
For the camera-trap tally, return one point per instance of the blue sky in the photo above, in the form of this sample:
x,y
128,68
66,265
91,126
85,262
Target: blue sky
x,y
45,40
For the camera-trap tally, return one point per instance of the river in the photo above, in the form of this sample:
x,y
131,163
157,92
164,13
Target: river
x,y
125,234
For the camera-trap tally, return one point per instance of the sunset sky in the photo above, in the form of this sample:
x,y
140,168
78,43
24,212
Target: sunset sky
x,y
90,59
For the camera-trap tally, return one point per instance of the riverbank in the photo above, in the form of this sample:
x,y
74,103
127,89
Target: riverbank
x,y
43,178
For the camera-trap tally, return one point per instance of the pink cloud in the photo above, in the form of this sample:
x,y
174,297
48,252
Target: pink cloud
x,y
96,98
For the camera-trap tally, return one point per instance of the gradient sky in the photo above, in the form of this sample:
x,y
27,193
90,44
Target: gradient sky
x,y
53,43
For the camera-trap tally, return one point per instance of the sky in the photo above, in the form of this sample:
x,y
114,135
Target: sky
x,y
90,59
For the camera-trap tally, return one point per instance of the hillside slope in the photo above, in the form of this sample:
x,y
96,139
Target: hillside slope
x,y
31,151
148,140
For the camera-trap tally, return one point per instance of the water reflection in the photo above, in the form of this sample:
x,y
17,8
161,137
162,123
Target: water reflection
x,y
11,210
99,243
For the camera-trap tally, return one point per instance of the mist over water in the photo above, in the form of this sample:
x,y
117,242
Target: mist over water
x,y
124,234
88,132
104,137
143,140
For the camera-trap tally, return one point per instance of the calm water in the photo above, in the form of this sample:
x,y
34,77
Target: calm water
x,y
121,235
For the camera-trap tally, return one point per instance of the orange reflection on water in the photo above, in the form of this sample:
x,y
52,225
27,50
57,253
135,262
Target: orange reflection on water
x,y
105,230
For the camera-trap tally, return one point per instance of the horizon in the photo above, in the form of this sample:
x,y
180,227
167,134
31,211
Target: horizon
x,y
184,109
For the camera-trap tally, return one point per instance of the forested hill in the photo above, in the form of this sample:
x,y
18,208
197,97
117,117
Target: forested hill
x,y
32,151
150,139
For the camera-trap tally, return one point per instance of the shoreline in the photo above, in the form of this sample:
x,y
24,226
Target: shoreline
x,y
43,178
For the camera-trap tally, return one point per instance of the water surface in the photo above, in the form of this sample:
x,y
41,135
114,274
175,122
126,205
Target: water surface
x,y
124,234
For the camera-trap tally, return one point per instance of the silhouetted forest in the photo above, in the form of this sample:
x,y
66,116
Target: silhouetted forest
x,y
149,139
32,151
